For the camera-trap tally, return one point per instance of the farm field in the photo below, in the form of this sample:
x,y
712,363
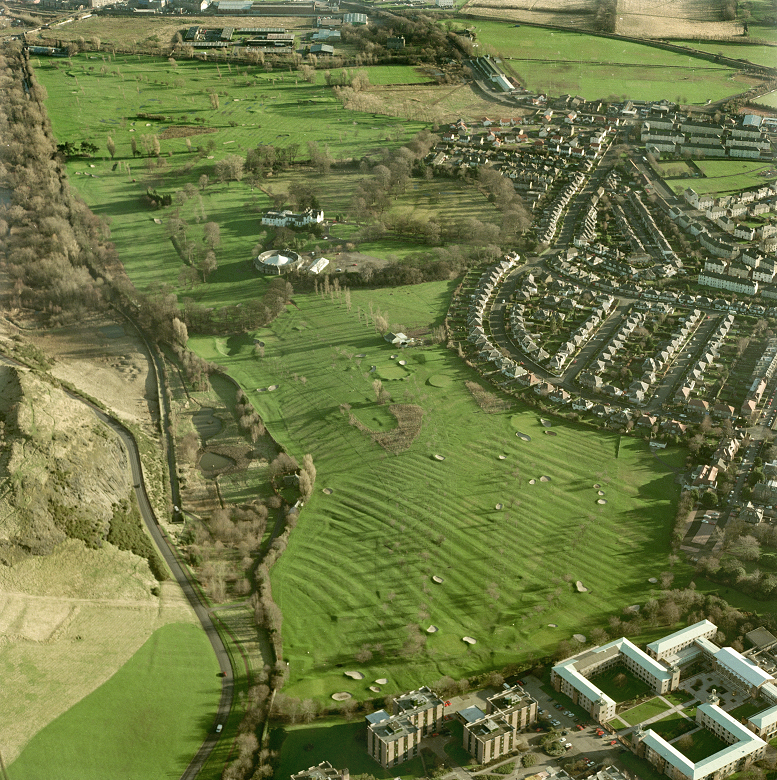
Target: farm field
x,y
769,99
335,741
657,19
594,67
357,572
723,176
160,700
759,55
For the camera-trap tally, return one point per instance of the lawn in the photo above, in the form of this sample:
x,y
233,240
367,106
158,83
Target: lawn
x,y
357,572
618,724
747,709
629,689
677,697
561,61
673,726
341,743
705,744
146,722
643,712
722,176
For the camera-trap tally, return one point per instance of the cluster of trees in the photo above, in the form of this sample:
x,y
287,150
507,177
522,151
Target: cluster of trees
x,y
248,418
70,149
267,158
56,249
606,14
743,547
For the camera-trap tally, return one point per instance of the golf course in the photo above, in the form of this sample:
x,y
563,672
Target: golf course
x,y
357,577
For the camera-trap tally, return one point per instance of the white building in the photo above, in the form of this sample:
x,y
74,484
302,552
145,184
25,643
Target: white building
x,y
288,218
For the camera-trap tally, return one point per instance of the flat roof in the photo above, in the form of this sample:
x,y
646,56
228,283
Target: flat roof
x,y
760,637
471,714
377,717
689,633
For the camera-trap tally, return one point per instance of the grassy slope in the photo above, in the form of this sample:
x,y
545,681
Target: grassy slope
x,y
146,722
358,569
601,67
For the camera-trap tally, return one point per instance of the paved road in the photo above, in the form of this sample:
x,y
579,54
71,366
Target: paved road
x,y
166,550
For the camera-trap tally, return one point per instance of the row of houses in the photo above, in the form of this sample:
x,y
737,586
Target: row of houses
x,y
706,139
711,351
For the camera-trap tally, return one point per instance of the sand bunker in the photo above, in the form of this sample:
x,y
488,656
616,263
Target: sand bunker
x,y
381,681
551,433
546,423
601,500
653,580
597,485
544,478
502,457
402,362
439,457
432,630
393,357
599,492
354,675
469,640
499,506
374,689
579,637
532,481
327,491
523,436
341,696
272,387
580,587
437,579
552,625
361,355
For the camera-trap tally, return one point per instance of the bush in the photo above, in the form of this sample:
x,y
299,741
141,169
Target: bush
x,y
528,759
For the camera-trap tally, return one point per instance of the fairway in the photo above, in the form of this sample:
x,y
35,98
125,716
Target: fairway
x,y
145,723
358,571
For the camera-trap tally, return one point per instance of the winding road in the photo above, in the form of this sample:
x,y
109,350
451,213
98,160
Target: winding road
x,y
167,551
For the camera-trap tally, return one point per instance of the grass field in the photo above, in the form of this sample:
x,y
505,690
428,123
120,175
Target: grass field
x,y
747,709
101,94
769,99
705,744
358,571
673,726
342,744
759,55
632,687
723,176
677,697
597,67
146,722
648,709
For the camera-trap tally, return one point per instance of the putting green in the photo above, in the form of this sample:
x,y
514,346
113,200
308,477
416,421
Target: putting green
x,y
439,380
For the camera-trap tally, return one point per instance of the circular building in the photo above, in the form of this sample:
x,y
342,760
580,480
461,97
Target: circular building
x,y
276,261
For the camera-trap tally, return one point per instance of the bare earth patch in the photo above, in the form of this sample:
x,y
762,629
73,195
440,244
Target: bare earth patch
x,y
490,403
409,420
